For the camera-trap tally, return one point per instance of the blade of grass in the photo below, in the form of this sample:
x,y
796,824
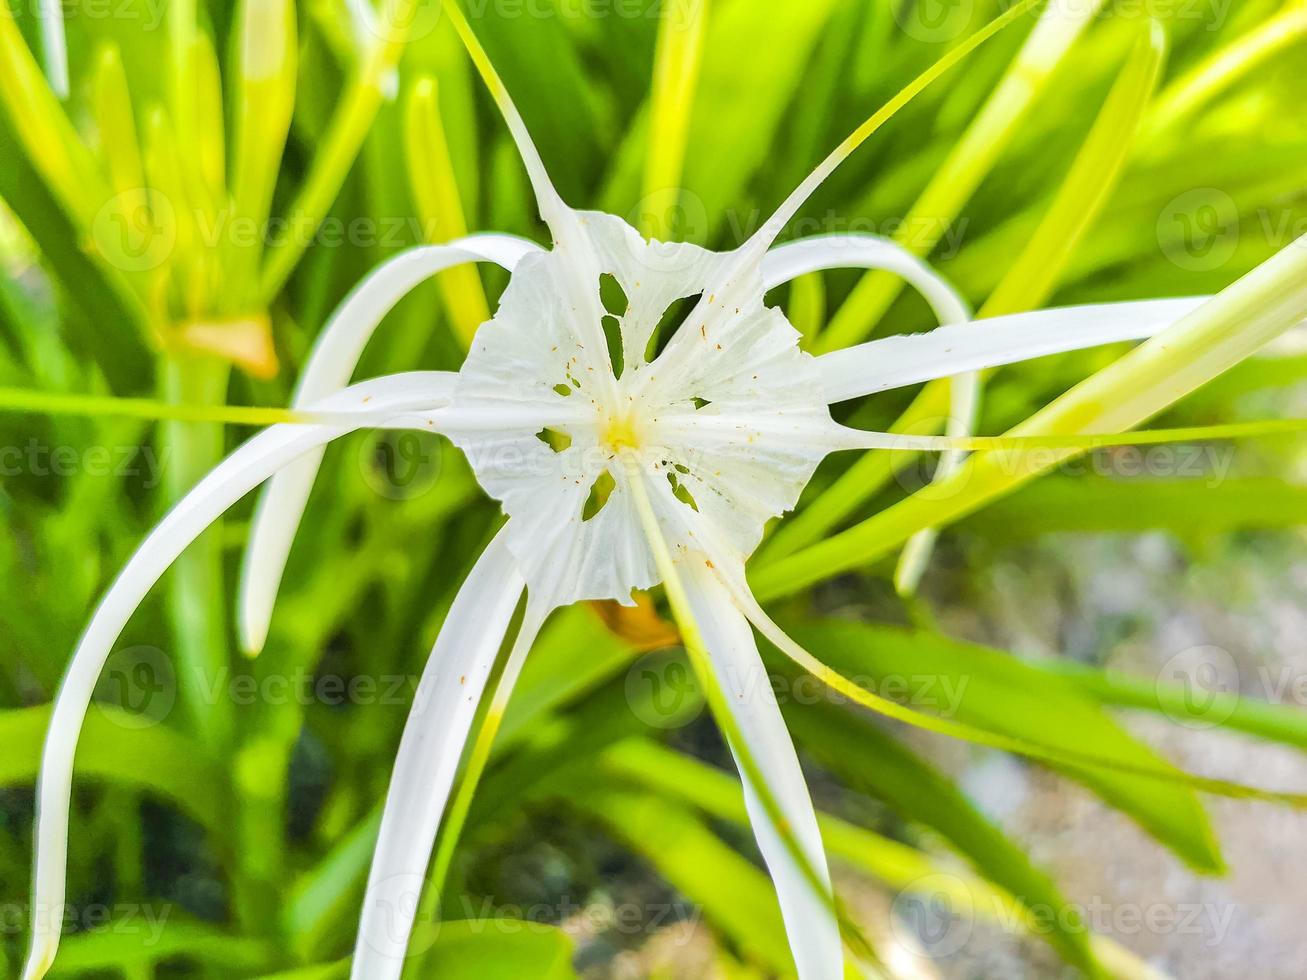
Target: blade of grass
x,y
210,132
1028,283
1034,275
440,207
264,102
25,400
44,127
974,156
677,58
340,146
1232,326
112,105
1225,67
899,866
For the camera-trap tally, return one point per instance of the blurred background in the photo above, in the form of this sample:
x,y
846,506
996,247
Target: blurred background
x,y
178,227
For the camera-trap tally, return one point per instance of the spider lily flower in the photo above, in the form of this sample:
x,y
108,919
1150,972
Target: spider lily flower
x,y
697,445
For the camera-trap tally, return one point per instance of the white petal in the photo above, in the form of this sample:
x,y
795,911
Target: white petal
x,y
806,255
533,367
434,736
236,476
330,366
809,921
873,252
557,215
894,362
964,407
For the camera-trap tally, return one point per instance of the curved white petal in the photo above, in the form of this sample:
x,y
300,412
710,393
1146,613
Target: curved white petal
x,y
54,45
556,214
331,364
873,252
809,921
964,407
434,736
894,362
798,258
236,476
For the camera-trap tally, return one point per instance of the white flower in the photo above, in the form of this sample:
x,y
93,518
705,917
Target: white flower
x,y
698,447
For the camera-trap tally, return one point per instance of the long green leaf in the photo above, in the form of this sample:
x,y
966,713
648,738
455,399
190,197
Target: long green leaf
x,y
998,693
972,158
867,758
1231,327
115,747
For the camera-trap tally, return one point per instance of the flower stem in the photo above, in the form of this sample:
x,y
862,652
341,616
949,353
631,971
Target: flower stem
x,y
477,760
195,591
340,146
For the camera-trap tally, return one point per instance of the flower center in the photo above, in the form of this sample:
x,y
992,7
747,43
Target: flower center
x,y
620,432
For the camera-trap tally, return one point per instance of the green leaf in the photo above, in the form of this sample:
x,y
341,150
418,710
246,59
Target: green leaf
x,y
439,205
543,72
1094,174
903,869
736,897
676,72
743,98
264,102
1284,723
495,949
485,949
555,673
1228,329
869,759
972,158
1189,507
145,938
996,692
114,747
